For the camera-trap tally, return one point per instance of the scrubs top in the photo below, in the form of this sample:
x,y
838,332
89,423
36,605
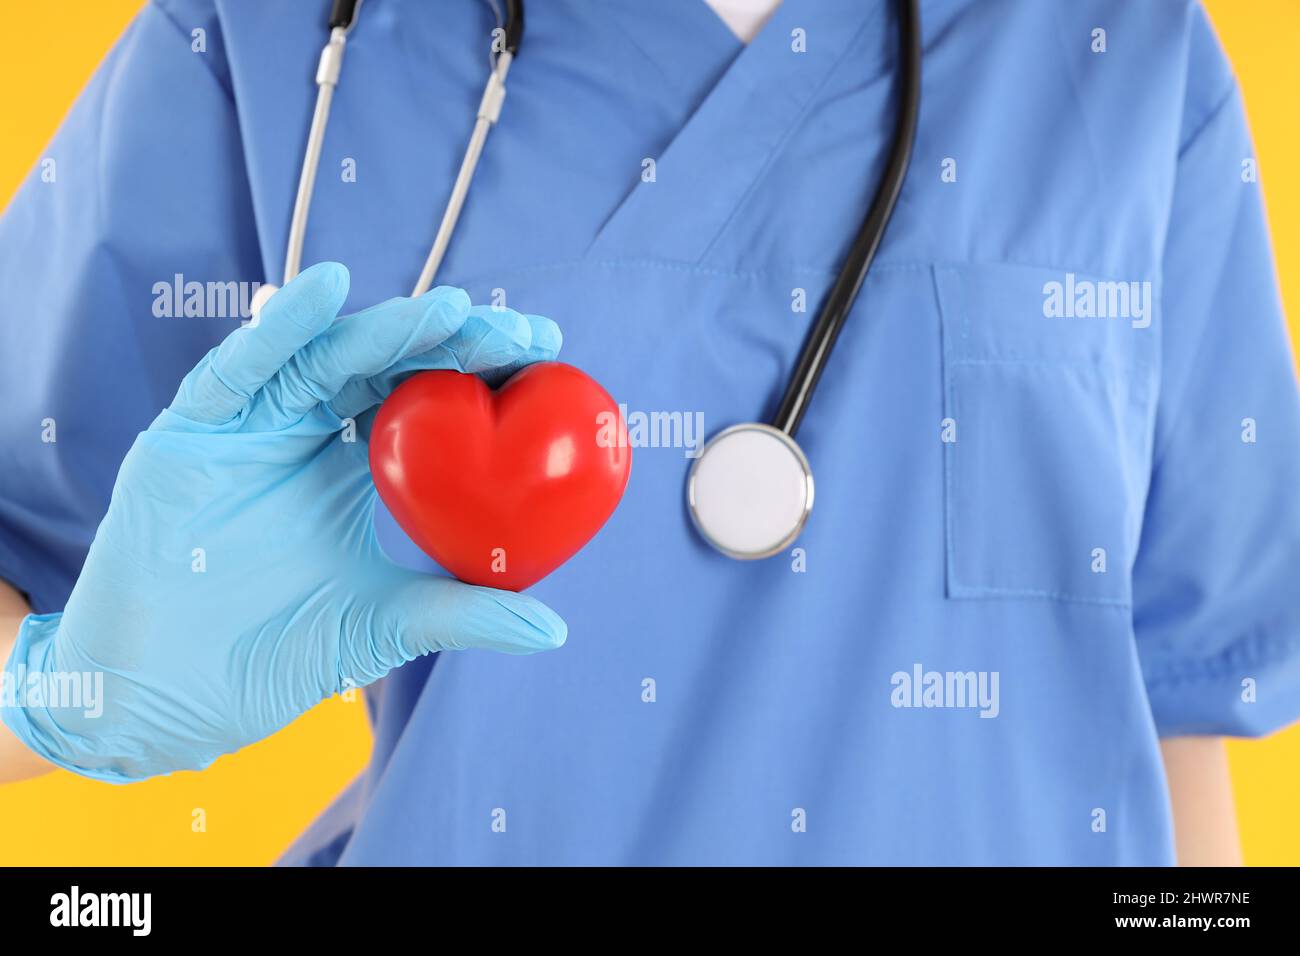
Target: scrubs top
x,y
1057,448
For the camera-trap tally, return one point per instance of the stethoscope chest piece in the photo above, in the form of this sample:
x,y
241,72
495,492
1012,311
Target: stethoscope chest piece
x,y
750,491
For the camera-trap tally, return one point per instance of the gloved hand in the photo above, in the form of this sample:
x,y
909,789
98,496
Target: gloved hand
x,y
236,581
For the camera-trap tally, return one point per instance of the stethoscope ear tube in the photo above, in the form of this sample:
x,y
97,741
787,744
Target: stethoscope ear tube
x,y
826,329
514,26
342,13
343,16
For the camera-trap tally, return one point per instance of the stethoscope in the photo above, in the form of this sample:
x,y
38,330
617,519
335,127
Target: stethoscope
x,y
750,490
343,18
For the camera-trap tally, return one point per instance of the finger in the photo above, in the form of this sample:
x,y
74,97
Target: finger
x,y
224,382
361,345
545,347
419,614
492,336
544,338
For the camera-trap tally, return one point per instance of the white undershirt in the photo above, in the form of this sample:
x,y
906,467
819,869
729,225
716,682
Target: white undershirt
x,y
744,17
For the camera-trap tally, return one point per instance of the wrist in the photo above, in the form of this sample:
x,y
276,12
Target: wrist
x,y
47,708
21,755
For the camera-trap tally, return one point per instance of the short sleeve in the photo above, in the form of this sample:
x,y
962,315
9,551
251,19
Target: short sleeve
x,y
143,186
1216,580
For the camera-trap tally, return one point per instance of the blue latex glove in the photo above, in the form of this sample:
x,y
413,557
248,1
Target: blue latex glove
x,y
236,581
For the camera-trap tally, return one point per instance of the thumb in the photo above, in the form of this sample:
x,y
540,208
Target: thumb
x,y
416,614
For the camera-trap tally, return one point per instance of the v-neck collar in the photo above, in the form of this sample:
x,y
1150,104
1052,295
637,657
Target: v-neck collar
x,y
719,154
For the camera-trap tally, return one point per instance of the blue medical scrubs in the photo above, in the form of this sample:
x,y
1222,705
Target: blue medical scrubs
x,y
1057,448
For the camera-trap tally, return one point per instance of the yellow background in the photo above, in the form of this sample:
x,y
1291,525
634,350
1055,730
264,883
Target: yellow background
x,y
258,800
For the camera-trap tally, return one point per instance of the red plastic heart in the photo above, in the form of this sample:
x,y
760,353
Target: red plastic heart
x,y
501,487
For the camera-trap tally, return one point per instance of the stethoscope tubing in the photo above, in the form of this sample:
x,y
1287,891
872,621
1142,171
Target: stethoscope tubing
x,y
821,338
839,302
343,17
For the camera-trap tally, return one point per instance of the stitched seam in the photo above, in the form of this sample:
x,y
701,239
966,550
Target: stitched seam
x,y
946,398
1219,106
795,123
976,591
1260,648
185,34
673,265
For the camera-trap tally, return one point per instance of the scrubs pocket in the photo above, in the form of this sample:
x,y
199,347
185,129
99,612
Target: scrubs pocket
x,y
1047,435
